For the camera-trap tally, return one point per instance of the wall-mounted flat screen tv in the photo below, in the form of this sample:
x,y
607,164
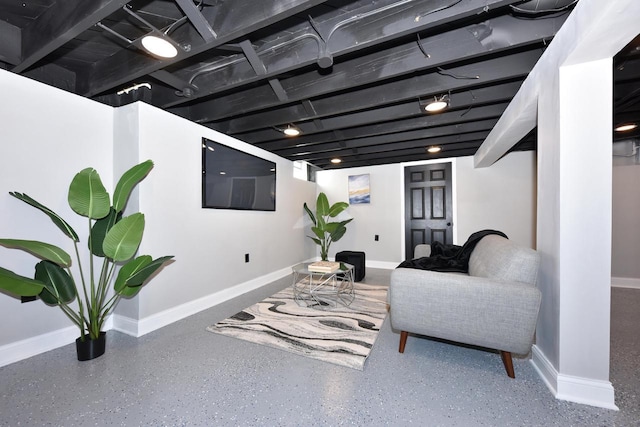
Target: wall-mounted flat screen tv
x,y
233,179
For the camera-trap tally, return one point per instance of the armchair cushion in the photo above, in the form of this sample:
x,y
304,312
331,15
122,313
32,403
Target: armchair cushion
x,y
467,309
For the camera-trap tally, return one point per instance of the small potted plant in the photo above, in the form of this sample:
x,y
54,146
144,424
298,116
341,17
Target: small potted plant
x,y
325,230
113,241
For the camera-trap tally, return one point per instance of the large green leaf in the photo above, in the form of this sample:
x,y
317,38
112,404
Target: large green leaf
x,y
42,250
318,242
122,241
59,286
340,230
130,291
331,227
345,222
311,215
128,270
133,274
322,205
338,233
321,224
19,285
141,276
337,208
127,182
99,231
87,195
57,220
318,232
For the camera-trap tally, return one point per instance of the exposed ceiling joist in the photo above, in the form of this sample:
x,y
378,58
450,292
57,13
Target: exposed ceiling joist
x,y
199,22
60,23
353,76
237,19
392,91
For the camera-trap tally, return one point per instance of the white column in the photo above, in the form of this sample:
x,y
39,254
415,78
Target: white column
x,y
574,232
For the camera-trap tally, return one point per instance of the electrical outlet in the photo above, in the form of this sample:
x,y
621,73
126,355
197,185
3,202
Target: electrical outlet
x,y
246,257
376,238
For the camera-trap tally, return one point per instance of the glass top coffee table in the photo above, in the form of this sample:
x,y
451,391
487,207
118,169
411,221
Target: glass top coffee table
x,y
320,290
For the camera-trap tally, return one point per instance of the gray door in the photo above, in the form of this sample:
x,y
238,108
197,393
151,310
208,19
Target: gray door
x,y
428,205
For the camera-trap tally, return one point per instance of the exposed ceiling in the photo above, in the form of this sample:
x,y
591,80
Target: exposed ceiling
x,y
353,76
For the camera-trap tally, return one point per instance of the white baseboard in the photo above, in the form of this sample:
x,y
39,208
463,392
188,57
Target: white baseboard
x,y
585,391
137,328
125,324
382,264
16,351
545,369
625,282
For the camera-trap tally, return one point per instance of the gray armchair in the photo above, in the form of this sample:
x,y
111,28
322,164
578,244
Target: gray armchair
x,y
495,305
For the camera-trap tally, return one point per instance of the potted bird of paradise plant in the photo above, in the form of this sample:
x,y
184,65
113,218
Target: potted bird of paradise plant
x,y
113,242
324,229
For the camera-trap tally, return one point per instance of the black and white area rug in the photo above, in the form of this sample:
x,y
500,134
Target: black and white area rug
x,y
340,335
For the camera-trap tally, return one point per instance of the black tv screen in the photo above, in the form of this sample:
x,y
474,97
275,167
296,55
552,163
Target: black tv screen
x,y
233,179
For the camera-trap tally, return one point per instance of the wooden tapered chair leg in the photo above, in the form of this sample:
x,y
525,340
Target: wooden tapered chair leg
x,y
508,363
403,340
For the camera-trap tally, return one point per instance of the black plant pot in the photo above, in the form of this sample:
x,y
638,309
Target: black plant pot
x,y
90,349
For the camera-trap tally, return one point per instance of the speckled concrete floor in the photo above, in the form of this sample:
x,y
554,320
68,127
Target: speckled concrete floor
x,y
183,375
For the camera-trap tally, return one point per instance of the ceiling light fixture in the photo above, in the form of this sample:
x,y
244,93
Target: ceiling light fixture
x,y
438,104
156,42
625,127
336,160
434,149
159,46
291,130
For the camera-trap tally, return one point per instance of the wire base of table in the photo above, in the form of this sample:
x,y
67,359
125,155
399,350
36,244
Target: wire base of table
x,y
320,290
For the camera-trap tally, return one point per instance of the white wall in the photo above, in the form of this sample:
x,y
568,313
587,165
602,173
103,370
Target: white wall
x,y
48,135
382,216
501,197
625,239
209,245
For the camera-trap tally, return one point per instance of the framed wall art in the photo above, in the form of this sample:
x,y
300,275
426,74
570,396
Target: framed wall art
x,y
359,190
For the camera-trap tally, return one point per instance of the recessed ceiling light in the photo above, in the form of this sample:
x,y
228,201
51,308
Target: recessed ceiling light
x,y
435,106
434,149
336,161
291,131
159,46
438,104
626,127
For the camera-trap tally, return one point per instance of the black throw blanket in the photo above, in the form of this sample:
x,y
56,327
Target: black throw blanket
x,y
449,258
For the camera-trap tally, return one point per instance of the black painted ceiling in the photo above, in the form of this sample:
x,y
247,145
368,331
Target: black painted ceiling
x,y
353,76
